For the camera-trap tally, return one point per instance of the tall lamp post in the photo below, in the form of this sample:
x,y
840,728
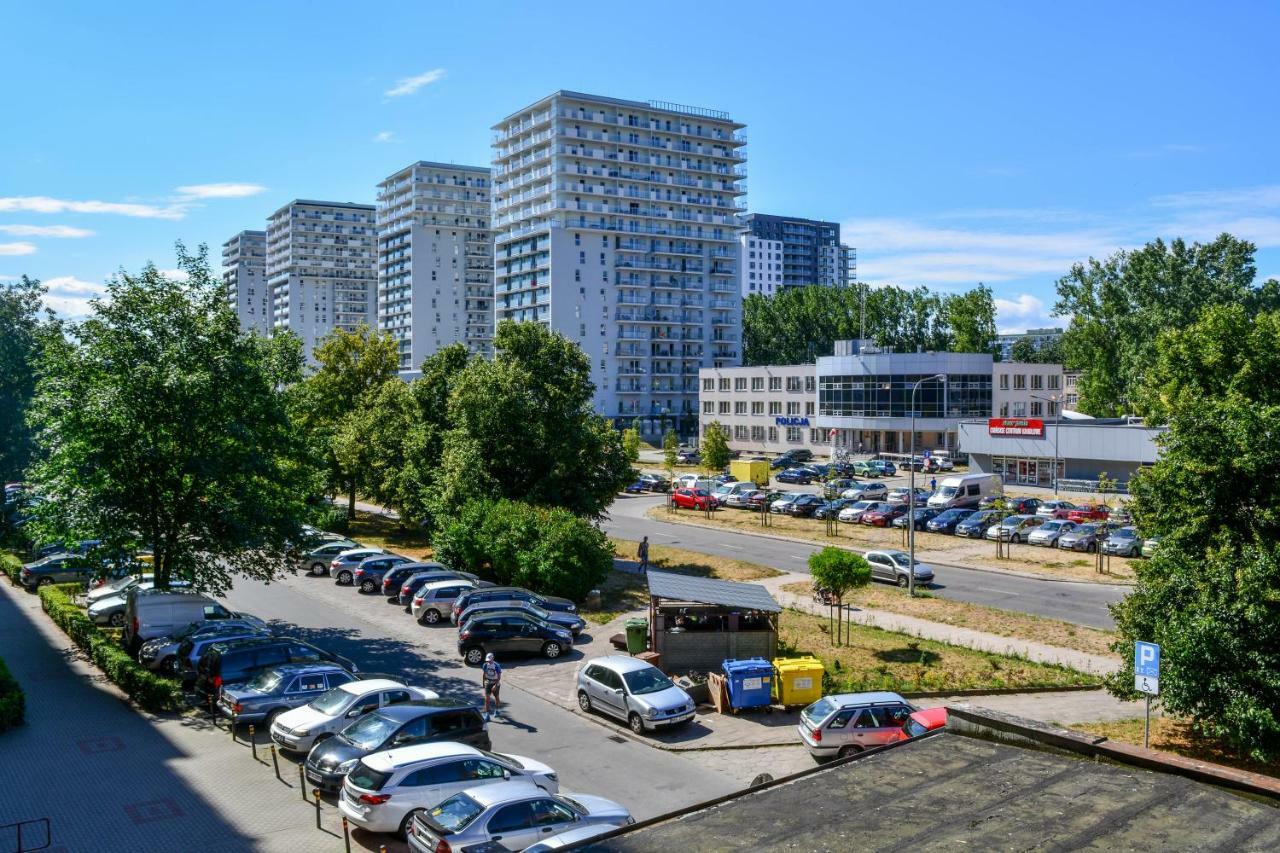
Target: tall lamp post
x,y
1054,400
911,495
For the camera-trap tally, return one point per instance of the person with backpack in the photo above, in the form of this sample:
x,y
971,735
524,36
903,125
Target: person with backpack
x,y
491,681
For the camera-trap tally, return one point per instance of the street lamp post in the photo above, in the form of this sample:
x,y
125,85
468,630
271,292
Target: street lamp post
x,y
1053,400
911,494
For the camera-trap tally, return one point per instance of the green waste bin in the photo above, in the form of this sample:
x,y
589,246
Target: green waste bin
x,y
637,635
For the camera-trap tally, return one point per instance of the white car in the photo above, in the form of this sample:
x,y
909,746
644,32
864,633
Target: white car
x,y
853,512
116,587
1048,533
300,729
385,789
867,492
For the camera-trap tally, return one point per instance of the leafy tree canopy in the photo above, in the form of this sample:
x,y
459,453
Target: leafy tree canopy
x,y
22,334
715,447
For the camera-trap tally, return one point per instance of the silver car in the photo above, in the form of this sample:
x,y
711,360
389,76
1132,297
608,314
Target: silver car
x,y
633,691
342,568
162,652
1050,532
1085,537
1015,528
842,724
508,816
317,560
867,492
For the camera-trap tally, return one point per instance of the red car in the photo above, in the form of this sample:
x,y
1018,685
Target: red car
x,y
693,499
921,722
1089,512
882,515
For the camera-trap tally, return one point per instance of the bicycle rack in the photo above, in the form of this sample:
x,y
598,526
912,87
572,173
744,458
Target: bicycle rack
x,y
15,841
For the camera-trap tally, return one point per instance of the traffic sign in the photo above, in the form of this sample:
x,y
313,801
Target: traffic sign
x,y
1146,668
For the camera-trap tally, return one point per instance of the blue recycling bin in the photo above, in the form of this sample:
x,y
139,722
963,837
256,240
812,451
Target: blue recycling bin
x,y
750,683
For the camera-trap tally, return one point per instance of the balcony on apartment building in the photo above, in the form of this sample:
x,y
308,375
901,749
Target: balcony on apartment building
x,y
635,315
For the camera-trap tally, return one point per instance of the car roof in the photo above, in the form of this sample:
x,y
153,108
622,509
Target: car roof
x,y
393,759
402,711
352,552
500,612
501,792
295,668
880,697
444,583
371,684
491,589
621,663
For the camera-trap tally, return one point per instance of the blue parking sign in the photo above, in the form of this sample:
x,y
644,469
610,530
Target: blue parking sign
x,y
1146,668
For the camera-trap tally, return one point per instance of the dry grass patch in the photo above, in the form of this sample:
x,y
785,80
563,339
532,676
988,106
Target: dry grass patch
x,y
1169,734
993,620
875,659
377,531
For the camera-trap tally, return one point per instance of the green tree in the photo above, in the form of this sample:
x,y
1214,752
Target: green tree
x,y
23,333
631,444
715,447
159,419
971,317
670,453
522,426
338,399
839,571
1023,351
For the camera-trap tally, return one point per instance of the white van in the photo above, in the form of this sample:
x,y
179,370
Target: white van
x,y
152,613
693,481
965,491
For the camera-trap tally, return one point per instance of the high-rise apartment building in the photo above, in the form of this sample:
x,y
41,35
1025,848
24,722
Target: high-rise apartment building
x,y
761,265
244,272
435,259
320,267
616,224
811,250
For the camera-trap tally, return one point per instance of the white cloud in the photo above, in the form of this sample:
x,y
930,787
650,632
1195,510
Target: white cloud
x,y
386,136
45,231
45,204
69,296
409,85
1248,198
22,248
175,275
1023,312
220,190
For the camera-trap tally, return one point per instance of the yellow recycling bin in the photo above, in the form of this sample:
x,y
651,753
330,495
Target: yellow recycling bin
x,y
799,681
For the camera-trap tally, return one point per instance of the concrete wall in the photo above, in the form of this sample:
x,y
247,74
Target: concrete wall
x,y
706,650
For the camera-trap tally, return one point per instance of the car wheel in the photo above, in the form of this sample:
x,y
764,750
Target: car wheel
x,y
551,650
407,824
846,751
903,581
1015,538
117,620
317,568
44,581
368,586
1093,547
344,577
271,720
635,723
430,616
474,655
584,701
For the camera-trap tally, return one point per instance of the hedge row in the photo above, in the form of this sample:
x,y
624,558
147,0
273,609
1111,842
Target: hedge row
x,y
12,701
150,691
12,566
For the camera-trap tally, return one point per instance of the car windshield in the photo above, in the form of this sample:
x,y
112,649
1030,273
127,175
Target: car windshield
x,y
643,681
370,730
1125,533
334,702
266,681
1052,525
914,728
457,812
573,804
948,491
366,777
505,760
1087,529
819,711
863,505
189,631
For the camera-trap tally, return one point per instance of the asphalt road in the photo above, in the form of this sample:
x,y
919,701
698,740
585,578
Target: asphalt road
x,y
1081,603
381,638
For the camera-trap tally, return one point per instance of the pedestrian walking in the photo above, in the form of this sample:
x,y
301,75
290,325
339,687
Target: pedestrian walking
x,y
933,484
643,554
491,679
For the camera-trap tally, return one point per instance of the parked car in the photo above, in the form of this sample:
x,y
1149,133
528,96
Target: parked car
x,y
883,514
884,466
900,495
797,476
832,489
654,483
975,526
781,504
634,691
1124,542
921,515
832,508
564,840
506,631
342,568
48,549
237,661
518,814
799,454
846,723
512,593
1015,528
151,613
434,600
852,513
391,727
635,487
57,568
948,520
965,491
803,506
416,581
1149,546
1090,512
1055,509
273,691
922,722
395,577
119,586
740,499
763,497
1050,532
182,664
942,463
161,653
317,559
867,492
785,462
369,572
688,457
693,499
112,609
384,790
1085,537
866,469
302,728
895,567
571,622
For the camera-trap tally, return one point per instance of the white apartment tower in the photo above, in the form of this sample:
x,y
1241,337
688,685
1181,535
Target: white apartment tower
x,y
760,267
320,267
244,272
616,224
435,260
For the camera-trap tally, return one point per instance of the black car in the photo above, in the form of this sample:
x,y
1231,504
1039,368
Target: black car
x,y
922,515
975,526
415,582
397,575
799,454
803,506
278,689
511,593
402,724
368,575
571,621
832,507
511,631
237,661
786,462
946,522
801,476
840,469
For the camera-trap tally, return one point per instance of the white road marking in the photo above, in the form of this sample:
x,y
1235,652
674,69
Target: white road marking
x,y
734,547
996,591
797,557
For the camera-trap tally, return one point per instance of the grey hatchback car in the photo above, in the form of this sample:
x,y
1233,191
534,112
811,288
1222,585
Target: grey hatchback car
x,y
634,691
842,724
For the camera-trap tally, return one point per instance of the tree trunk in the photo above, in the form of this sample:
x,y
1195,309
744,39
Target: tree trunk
x,y
160,570
351,499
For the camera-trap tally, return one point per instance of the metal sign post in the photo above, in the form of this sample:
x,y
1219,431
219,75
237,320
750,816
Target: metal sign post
x,y
1146,679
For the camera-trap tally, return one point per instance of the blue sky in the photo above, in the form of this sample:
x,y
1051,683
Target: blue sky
x,y
956,143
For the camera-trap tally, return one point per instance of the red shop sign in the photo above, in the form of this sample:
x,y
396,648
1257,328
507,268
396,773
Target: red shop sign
x,y
1016,427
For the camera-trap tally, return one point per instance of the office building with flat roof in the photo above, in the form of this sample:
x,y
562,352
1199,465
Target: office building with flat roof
x,y
244,272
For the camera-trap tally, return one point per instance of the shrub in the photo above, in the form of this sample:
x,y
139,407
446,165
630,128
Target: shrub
x,y
12,566
12,701
152,692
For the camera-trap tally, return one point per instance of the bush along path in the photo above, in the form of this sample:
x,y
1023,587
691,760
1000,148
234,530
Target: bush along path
x,y
13,701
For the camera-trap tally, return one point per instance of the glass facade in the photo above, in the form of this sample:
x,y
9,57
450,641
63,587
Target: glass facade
x,y
966,395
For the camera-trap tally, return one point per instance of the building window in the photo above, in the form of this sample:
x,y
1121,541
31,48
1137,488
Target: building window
x,y
740,432
740,383
1053,409
1037,382
757,383
775,408
740,407
817,436
757,407
724,407
1004,382
757,433
1019,382
1019,410
708,407
1036,408
724,383
793,408
795,435
773,434
775,383
1004,410
808,408
708,385
794,383
809,384
1055,381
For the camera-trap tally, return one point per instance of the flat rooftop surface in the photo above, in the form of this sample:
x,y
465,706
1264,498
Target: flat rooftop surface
x,y
951,792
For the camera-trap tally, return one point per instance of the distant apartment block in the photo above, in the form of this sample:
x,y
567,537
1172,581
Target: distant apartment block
x,y
244,273
435,260
1039,339
811,250
761,265
616,224
321,268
